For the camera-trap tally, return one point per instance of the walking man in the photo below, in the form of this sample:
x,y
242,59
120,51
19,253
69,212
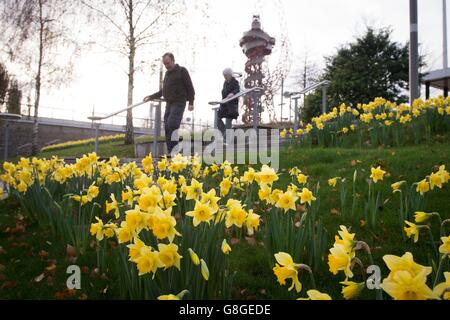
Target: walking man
x,y
177,89
229,110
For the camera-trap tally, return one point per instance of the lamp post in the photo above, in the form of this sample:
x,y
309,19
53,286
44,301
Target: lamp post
x,y
413,53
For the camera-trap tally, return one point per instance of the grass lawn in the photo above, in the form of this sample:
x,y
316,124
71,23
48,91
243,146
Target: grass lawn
x,y
26,250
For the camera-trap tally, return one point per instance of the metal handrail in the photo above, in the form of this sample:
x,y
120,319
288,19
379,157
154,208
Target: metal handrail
x,y
235,96
296,95
97,118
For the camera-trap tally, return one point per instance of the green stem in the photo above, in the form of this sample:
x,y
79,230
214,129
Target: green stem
x,y
439,270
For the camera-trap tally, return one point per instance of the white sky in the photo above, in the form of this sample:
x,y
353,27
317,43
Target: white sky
x,y
316,26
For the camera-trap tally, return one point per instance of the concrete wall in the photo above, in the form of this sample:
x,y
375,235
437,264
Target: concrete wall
x,y
52,131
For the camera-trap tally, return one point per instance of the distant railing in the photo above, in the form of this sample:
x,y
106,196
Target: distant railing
x,y
236,96
296,95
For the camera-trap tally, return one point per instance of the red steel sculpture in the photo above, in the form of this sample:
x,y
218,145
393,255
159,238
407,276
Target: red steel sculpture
x,y
255,44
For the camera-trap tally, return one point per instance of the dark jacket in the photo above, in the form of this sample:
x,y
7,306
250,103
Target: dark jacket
x,y
177,87
231,108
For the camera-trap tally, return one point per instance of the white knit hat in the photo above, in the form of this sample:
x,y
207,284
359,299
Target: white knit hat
x,y
228,71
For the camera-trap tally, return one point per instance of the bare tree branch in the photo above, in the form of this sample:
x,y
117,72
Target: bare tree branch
x,y
104,15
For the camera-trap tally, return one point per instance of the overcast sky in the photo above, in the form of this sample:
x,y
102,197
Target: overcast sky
x,y
314,26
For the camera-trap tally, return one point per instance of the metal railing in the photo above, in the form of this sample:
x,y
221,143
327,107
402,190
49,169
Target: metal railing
x,y
297,95
96,123
236,96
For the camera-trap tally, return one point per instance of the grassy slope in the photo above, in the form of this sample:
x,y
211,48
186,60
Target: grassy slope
x,y
254,277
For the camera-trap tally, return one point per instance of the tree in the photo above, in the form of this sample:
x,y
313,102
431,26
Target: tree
x,y
372,66
36,38
4,83
14,97
136,23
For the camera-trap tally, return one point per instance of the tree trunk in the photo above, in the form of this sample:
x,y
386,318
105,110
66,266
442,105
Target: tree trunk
x,y
129,135
34,146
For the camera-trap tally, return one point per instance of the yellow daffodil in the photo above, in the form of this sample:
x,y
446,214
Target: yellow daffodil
x,y
172,296
412,230
168,297
97,229
264,193
306,196
202,213
266,176
396,186
445,246
236,215
147,164
134,249
163,224
252,222
287,201
150,198
423,186
194,191
194,257
351,290
249,176
441,287
340,259
204,269
285,268
420,216
377,174
169,256
113,206
124,233
345,238
226,249
211,199
148,261
332,182
316,295
225,186
435,180
302,179
402,285
83,199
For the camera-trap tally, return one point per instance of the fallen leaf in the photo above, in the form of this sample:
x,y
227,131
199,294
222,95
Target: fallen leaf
x,y
9,285
2,268
71,251
334,211
2,251
300,208
48,242
105,290
362,222
39,278
251,241
43,254
51,268
235,241
83,296
85,269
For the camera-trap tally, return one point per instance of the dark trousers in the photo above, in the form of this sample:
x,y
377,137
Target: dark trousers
x,y
172,119
223,126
